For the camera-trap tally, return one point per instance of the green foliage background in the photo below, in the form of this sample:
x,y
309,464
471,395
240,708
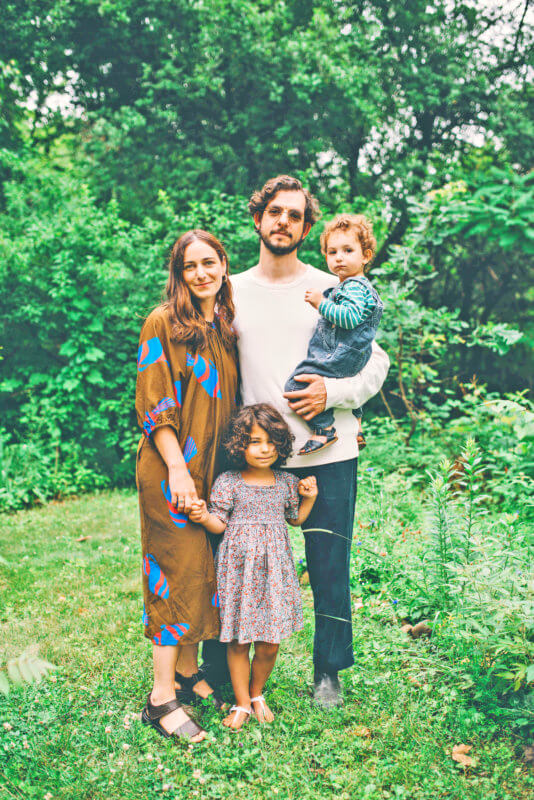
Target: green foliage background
x,y
123,124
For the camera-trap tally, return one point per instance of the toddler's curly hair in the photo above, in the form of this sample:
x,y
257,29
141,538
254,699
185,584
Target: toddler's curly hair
x,y
362,228
238,435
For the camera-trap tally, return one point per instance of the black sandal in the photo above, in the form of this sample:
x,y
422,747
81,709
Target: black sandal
x,y
313,446
188,695
152,714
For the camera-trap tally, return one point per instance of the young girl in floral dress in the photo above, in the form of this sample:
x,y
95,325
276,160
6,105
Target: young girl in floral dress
x,y
258,589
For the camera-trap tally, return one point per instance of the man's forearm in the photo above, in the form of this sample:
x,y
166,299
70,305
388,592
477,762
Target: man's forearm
x,y
356,391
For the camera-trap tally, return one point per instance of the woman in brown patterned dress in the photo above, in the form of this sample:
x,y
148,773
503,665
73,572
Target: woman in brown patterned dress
x,y
186,387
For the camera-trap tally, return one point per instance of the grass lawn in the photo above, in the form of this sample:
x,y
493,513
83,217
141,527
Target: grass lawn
x,y
78,735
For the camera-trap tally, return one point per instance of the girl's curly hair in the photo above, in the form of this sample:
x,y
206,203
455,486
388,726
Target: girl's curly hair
x,y
238,434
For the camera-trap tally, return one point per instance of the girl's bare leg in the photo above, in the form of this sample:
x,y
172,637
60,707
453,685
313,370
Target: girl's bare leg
x,y
262,665
239,666
163,690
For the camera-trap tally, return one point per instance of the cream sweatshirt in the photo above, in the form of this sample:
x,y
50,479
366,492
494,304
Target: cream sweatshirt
x,y
274,325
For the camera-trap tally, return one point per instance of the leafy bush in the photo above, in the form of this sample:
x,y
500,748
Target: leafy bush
x,y
459,562
442,323
34,472
79,277
78,280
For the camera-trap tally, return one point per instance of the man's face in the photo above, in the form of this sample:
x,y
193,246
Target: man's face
x,y
282,227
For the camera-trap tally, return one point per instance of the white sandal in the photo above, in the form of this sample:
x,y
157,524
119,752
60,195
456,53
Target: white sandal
x,y
259,699
247,711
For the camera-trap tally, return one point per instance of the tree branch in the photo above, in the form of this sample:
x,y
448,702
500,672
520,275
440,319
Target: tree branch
x,y
518,34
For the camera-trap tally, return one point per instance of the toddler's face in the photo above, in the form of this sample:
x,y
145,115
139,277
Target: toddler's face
x,y
261,452
344,254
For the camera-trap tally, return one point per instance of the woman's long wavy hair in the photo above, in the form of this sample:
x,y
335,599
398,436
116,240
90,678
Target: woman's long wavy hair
x,y
188,324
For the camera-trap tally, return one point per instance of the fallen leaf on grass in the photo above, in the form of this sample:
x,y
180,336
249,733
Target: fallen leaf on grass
x,y
360,730
421,629
82,538
414,681
528,755
304,579
459,754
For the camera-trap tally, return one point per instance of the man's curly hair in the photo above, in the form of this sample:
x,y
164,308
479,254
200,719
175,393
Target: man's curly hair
x,y
261,198
238,435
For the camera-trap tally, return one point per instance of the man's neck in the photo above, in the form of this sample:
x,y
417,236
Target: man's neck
x,y
279,269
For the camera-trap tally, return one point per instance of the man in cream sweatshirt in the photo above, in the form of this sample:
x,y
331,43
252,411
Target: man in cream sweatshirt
x,y
274,325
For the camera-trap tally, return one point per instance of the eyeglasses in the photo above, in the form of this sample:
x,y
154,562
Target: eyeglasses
x,y
275,212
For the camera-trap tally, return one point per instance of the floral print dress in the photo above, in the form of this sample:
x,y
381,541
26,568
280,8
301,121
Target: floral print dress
x,y
259,593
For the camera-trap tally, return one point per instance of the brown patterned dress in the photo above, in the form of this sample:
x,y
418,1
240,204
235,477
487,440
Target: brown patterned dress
x,y
194,393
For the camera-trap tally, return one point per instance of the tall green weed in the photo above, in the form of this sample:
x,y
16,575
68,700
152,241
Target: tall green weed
x,y
459,562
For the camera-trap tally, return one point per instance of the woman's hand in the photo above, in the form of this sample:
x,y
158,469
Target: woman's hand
x,y
314,297
199,512
308,487
182,489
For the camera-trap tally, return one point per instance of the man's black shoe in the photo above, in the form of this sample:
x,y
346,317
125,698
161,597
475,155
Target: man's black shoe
x,y
327,690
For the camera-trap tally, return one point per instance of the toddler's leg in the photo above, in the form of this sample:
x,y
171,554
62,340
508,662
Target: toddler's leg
x,y
321,426
262,665
293,386
357,412
239,666
323,432
325,419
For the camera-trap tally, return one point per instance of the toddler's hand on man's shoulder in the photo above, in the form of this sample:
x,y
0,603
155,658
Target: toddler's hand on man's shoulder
x,y
314,297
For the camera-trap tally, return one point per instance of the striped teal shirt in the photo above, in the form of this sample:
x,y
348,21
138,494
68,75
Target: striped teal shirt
x,y
353,302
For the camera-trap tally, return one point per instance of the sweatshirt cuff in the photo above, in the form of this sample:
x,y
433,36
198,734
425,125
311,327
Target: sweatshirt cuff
x,y
336,391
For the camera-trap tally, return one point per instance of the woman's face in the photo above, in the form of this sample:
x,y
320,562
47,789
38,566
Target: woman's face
x,y
203,270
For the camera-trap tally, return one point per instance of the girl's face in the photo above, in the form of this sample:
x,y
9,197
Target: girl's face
x,y
261,452
203,270
344,254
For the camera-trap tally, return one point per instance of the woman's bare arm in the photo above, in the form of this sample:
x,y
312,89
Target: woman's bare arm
x,y
181,484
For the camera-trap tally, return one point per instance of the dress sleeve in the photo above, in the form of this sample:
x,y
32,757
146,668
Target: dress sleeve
x,y
293,499
222,497
158,397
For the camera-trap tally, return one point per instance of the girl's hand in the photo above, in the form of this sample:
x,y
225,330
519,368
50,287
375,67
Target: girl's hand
x,y
182,489
199,512
308,487
314,297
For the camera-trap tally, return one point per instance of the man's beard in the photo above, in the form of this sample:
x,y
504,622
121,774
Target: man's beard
x,y
282,250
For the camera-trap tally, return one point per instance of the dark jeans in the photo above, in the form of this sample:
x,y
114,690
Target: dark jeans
x,y
214,661
328,561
